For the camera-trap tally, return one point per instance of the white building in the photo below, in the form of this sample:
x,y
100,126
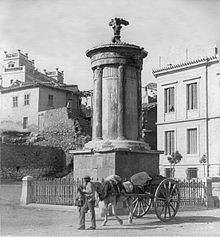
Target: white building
x,y
25,93
188,117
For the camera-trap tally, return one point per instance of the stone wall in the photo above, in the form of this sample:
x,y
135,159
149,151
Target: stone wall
x,y
60,129
18,161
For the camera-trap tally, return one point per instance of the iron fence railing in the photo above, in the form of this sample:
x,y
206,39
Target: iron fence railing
x,y
63,191
55,191
192,193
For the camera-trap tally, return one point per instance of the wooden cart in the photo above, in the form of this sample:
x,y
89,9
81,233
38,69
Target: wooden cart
x,y
163,194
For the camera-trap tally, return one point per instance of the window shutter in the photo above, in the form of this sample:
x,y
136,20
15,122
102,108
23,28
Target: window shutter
x,y
195,96
172,99
165,100
192,141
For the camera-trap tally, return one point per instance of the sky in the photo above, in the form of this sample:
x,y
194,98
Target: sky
x,y
57,33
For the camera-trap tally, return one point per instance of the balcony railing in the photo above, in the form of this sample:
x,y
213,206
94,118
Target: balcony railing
x,y
14,69
12,55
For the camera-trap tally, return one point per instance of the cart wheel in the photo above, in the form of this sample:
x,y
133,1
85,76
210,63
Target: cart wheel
x,y
167,199
139,206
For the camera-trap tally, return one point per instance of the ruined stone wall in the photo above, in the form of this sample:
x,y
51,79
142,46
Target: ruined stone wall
x,y
20,160
60,129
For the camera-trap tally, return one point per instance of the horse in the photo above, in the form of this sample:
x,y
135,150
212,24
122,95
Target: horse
x,y
111,193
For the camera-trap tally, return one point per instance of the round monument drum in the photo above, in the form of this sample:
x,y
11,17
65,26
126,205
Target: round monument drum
x,y
116,95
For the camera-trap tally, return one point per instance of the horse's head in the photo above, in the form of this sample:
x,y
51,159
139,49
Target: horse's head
x,y
98,187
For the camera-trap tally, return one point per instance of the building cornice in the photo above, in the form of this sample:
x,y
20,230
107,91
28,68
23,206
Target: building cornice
x,y
182,66
186,120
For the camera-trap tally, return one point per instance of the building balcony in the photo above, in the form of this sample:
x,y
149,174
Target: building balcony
x,y
20,68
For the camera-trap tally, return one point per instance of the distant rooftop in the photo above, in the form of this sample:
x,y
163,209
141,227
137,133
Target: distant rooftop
x,y
21,86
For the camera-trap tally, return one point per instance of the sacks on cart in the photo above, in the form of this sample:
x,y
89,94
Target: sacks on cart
x,y
115,178
141,178
128,186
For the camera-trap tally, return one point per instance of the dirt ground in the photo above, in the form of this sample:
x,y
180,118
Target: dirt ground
x,y
54,221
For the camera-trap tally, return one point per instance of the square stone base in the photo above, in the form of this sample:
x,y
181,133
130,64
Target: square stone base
x,y
99,165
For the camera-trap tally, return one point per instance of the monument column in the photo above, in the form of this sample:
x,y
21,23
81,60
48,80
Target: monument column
x,y
97,105
121,103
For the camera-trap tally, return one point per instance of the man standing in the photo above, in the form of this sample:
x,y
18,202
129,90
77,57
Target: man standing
x,y
89,204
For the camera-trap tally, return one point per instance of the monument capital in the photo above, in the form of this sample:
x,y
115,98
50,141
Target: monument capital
x,y
116,26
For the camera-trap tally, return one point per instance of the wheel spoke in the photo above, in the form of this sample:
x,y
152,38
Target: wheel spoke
x,y
173,188
166,189
171,205
165,212
142,207
139,208
168,207
143,204
147,203
135,207
169,185
135,200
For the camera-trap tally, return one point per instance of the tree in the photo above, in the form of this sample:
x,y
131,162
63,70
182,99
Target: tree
x,y
174,159
203,160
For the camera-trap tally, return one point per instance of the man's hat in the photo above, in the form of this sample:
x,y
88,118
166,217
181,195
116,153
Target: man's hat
x,y
87,177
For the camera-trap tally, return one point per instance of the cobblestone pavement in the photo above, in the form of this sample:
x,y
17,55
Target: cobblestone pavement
x,y
55,221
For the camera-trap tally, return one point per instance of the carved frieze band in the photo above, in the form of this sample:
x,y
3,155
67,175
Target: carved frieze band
x,y
110,71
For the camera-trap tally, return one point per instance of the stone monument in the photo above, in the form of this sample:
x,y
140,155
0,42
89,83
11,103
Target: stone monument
x,y
116,146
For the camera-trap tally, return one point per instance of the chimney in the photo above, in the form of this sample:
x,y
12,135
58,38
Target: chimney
x,y
216,51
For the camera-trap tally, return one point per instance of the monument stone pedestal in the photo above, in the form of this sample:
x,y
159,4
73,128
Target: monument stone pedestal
x,y
122,162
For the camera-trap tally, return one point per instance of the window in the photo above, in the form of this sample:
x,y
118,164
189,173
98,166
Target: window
x,y
192,173
15,101
169,100
50,100
25,122
169,142
192,141
192,96
11,64
168,172
26,99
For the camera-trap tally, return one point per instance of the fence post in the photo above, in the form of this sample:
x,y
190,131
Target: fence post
x,y
27,188
209,199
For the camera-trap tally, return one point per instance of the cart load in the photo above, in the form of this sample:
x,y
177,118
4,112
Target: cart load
x,y
140,178
114,178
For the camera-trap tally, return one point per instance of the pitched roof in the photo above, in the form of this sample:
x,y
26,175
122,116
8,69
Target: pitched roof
x,y
33,85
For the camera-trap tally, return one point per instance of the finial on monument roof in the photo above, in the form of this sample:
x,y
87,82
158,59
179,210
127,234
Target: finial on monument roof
x,y
116,26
